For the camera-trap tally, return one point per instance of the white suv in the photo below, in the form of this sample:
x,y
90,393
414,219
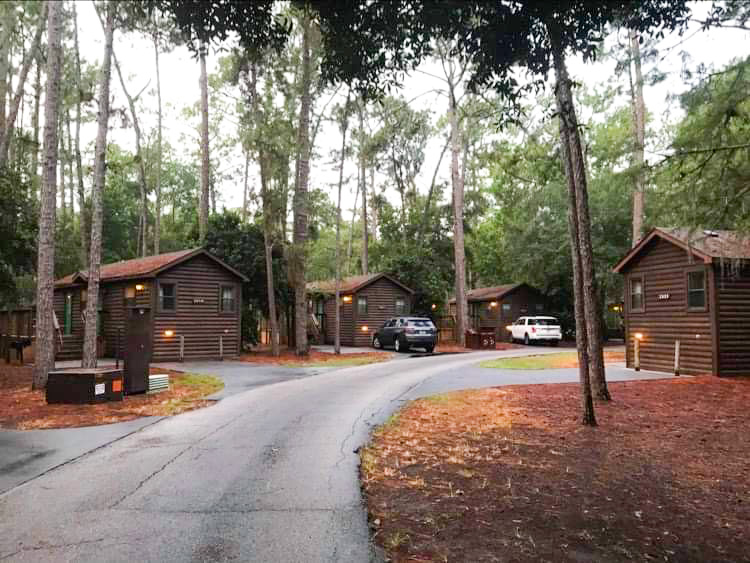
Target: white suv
x,y
536,329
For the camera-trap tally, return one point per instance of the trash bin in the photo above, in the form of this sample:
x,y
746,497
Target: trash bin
x,y
487,338
84,386
472,339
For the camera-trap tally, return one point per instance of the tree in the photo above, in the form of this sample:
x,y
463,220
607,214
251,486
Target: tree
x,y
82,227
45,337
92,303
205,163
343,125
639,134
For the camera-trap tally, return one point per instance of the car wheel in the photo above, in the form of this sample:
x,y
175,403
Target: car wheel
x,y
397,344
526,339
376,343
429,349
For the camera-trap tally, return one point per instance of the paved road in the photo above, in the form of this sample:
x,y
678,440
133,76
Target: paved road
x,y
265,475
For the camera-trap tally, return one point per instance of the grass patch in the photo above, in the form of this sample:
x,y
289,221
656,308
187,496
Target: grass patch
x,y
205,384
344,362
548,361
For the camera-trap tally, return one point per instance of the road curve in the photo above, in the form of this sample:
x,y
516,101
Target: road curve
x,y
266,475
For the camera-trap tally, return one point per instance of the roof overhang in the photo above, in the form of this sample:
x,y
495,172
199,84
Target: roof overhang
x,y
633,252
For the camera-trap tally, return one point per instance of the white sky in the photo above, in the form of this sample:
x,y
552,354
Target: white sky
x,y
180,72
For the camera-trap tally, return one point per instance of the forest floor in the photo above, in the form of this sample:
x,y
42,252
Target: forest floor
x,y
551,361
24,409
509,473
316,358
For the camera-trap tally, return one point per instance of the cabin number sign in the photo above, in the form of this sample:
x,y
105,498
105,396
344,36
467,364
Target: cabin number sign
x,y
664,296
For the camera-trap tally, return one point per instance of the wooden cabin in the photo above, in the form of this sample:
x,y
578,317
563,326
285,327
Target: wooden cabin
x,y
189,293
693,287
367,301
497,307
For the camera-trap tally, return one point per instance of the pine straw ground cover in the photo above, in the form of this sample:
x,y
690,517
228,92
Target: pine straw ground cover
x,y
508,474
24,409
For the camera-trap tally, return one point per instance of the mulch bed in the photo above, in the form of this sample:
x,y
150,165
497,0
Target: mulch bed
x,y
509,474
24,409
288,357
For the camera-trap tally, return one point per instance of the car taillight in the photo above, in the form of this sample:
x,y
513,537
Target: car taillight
x,y
533,329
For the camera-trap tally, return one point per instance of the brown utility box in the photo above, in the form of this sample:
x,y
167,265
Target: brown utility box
x,y
84,386
482,340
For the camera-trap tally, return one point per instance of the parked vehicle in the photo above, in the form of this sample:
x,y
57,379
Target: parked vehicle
x,y
536,329
404,333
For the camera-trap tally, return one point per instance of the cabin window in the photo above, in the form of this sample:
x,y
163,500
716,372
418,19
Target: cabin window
x,y
167,297
696,289
506,309
401,306
227,303
636,295
68,314
361,305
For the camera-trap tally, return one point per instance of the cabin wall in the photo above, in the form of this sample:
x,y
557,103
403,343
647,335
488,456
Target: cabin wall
x,y
666,317
733,291
197,316
524,301
381,306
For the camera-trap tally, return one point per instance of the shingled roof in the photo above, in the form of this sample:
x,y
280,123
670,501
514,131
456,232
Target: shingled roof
x,y
705,245
145,267
351,284
489,293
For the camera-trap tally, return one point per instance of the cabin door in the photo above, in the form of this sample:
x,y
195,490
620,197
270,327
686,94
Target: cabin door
x,y
137,349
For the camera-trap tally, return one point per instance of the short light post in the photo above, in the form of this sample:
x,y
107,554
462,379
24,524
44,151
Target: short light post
x,y
169,333
677,357
637,351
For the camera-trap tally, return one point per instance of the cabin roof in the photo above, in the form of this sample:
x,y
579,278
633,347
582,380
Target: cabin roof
x,y
352,284
145,267
490,293
705,245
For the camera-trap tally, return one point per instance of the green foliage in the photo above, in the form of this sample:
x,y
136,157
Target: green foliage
x,y
18,233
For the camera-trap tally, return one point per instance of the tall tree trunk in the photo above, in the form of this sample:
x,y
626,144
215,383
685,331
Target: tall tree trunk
x,y
45,333
244,187
157,186
639,130
363,189
35,125
142,246
299,249
459,253
100,155
205,163
576,170
337,255
6,132
70,157
61,161
7,23
373,207
350,247
82,226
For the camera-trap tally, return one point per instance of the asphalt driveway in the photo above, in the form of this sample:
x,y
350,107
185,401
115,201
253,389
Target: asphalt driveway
x,y
270,474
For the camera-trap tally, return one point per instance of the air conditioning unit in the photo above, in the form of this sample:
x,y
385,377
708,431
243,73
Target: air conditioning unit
x,y
158,382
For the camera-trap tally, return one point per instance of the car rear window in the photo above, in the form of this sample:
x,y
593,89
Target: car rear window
x,y
547,322
422,323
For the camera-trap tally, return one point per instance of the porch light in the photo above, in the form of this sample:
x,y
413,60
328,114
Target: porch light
x,y
509,327
139,287
493,304
364,328
638,336
434,306
168,333
347,299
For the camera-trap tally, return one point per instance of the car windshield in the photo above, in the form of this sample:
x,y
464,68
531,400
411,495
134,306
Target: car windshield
x,y
422,323
547,322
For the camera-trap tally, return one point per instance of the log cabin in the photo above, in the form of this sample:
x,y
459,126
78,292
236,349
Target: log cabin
x,y
367,301
691,287
497,307
189,294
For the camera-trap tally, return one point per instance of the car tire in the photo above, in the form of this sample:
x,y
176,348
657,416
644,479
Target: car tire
x,y
397,344
401,345
429,349
526,339
376,343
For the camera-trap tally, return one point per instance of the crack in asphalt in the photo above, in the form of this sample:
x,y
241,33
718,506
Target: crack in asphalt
x,y
52,546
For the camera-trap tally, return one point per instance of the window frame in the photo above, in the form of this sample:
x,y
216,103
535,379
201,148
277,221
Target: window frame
x,y
700,308
642,280
405,310
233,310
360,298
159,303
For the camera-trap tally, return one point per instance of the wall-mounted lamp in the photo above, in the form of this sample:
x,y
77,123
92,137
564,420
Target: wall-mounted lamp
x,y
168,333
139,287
493,304
509,327
364,328
434,306
347,299
638,336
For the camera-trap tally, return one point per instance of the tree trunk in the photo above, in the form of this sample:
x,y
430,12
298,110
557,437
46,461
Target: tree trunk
x,y
45,332
82,226
61,162
299,248
142,246
350,247
459,252
6,133
203,204
373,207
7,21
157,186
337,259
244,188
431,191
70,157
363,189
268,248
639,130
35,125
576,170
100,155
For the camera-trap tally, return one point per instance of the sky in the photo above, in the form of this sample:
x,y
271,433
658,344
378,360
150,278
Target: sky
x,y
180,89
